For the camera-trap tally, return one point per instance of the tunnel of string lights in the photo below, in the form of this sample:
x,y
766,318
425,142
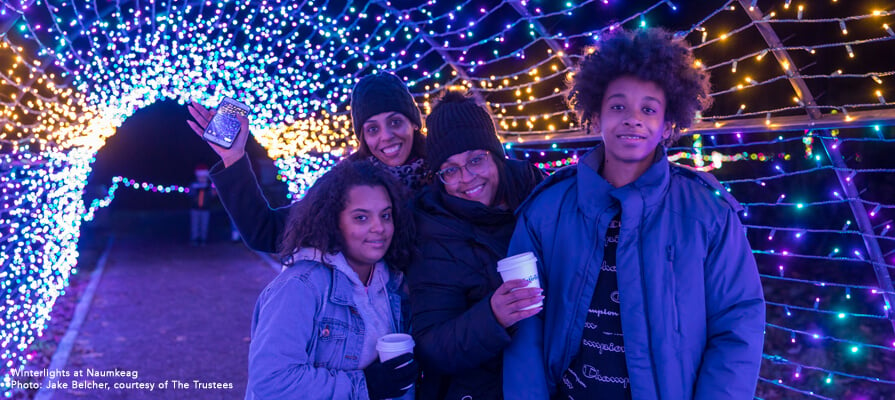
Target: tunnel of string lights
x,y
800,131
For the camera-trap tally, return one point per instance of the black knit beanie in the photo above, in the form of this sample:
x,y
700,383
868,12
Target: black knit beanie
x,y
456,125
379,93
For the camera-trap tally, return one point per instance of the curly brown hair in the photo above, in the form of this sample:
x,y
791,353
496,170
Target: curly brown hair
x,y
314,221
652,55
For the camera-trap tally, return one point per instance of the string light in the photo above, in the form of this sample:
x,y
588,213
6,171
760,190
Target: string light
x,y
117,182
854,348
299,86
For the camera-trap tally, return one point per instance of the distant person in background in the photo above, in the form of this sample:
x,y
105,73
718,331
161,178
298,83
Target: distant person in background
x,y
387,123
651,288
201,194
315,327
234,231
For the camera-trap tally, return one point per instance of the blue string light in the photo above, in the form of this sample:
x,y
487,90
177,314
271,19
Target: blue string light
x,y
81,68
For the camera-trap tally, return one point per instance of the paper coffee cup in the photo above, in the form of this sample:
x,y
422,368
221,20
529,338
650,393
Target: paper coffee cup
x,y
393,345
521,266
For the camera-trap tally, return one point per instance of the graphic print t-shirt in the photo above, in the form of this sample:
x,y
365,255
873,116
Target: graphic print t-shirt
x,y
599,371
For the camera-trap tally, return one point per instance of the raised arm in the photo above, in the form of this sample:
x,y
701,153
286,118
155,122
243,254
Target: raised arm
x,y
260,225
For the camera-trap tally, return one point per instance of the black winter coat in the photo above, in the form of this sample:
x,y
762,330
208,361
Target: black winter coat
x,y
458,340
260,225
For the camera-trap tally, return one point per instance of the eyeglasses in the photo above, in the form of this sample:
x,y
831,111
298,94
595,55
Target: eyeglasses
x,y
476,166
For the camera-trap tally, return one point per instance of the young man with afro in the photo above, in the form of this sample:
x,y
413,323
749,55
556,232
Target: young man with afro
x,y
651,288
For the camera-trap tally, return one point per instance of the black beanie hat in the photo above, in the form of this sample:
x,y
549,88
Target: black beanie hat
x,y
379,93
456,125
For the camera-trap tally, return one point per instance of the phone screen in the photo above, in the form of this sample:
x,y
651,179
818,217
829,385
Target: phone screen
x,y
224,127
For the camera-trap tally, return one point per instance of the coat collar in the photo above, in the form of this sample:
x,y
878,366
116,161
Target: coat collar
x,y
452,210
595,194
344,279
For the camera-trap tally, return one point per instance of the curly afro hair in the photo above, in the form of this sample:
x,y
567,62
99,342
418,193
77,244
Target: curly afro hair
x,y
652,55
314,221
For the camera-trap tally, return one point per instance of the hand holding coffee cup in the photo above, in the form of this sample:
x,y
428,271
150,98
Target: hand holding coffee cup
x,y
393,345
519,297
392,378
514,301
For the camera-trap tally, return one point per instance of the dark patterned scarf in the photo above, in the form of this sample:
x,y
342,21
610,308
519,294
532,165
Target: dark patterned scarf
x,y
414,174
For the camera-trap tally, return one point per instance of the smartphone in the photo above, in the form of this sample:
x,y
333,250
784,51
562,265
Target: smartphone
x,y
224,127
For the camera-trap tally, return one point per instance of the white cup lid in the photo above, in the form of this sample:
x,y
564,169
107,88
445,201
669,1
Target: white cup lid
x,y
395,342
513,261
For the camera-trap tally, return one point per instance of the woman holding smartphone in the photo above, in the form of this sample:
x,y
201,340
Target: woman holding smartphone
x,y
387,123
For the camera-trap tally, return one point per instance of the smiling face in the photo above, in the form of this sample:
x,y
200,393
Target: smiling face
x,y
632,120
479,185
389,136
366,225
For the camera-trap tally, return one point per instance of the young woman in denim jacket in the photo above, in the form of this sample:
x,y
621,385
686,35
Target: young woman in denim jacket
x,y
315,327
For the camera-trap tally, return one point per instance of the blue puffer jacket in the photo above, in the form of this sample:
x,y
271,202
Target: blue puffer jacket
x,y
692,308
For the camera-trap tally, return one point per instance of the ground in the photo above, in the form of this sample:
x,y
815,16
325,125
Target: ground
x,y
162,311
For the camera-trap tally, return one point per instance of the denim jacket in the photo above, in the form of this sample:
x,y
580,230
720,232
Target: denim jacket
x,y
307,335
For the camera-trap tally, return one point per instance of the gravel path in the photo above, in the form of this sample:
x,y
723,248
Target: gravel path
x,y
166,312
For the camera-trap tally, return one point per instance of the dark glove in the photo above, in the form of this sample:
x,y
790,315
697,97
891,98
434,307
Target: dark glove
x,y
392,378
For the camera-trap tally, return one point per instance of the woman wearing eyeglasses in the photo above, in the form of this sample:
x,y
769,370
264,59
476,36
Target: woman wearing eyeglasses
x,y
461,310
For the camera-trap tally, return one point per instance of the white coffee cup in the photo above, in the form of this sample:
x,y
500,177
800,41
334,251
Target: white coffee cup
x,y
393,345
521,266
